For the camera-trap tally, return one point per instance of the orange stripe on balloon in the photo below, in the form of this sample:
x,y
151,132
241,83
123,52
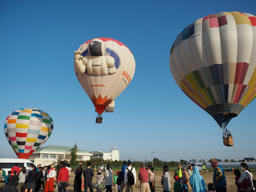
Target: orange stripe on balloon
x,y
12,121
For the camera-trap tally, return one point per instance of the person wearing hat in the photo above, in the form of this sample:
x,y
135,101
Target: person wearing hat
x,y
144,179
219,179
130,187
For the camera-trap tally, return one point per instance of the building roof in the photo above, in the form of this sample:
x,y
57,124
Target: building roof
x,y
59,149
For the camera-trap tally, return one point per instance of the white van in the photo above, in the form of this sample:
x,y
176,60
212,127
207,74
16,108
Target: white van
x,y
199,166
7,163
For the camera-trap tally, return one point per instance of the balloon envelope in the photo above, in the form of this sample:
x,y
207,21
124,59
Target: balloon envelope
x,y
213,62
27,129
104,67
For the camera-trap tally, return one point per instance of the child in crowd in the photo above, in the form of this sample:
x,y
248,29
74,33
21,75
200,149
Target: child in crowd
x,y
211,187
115,179
177,185
119,181
14,181
7,179
100,185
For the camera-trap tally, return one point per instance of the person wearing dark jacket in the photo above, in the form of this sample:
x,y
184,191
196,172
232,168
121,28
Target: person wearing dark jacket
x,y
88,175
78,179
14,181
63,176
32,179
39,179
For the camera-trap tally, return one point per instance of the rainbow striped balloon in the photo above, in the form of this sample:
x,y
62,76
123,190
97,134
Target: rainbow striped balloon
x,y
27,129
213,62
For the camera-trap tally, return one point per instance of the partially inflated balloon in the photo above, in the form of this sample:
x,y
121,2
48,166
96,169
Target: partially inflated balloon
x,y
213,62
104,68
27,129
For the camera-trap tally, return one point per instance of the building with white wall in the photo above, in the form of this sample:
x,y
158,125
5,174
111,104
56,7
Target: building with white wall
x,y
50,155
112,155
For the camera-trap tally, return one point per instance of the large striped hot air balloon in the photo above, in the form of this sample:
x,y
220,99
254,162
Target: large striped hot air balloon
x,y
213,62
104,67
27,129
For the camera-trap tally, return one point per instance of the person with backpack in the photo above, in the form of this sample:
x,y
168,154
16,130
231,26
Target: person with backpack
x,y
130,178
122,176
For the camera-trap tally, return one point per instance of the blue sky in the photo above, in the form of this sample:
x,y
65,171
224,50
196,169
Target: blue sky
x,y
153,117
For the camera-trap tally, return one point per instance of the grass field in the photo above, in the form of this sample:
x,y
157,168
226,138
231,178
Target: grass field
x,y
207,177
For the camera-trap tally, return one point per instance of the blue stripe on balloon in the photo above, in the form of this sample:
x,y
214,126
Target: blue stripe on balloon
x,y
116,57
36,115
21,150
33,131
15,113
41,137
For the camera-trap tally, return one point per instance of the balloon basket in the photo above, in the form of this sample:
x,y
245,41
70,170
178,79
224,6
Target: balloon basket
x,y
99,119
228,141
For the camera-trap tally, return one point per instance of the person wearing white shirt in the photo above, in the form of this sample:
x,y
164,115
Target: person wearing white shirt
x,y
129,187
51,176
246,175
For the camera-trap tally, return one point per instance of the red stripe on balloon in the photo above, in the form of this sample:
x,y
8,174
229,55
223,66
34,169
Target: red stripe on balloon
x,y
253,20
241,70
21,134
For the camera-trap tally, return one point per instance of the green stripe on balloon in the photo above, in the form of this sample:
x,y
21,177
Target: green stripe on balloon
x,y
24,117
47,121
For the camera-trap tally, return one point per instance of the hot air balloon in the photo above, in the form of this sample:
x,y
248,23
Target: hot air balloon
x,y
27,129
213,62
104,67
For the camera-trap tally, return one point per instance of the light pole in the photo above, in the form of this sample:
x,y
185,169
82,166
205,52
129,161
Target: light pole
x,y
152,154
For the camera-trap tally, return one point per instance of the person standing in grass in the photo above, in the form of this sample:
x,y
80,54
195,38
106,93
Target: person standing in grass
x,y
144,179
219,179
197,181
22,179
115,179
166,179
151,178
88,175
108,178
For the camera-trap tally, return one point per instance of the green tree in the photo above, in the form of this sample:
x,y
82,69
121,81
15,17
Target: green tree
x,y
73,154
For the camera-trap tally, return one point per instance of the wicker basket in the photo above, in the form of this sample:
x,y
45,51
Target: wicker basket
x,y
228,141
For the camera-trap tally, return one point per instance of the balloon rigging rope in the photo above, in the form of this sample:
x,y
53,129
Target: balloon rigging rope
x,y
243,148
131,133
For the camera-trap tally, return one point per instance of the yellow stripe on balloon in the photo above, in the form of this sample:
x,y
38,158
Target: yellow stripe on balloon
x,y
31,140
27,111
250,100
204,92
191,81
45,114
241,19
227,13
46,129
200,100
22,126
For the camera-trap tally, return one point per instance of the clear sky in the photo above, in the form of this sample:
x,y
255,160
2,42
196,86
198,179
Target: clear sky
x,y
153,117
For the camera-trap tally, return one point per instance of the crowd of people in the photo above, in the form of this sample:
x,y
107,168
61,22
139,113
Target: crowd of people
x,y
187,178
19,179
